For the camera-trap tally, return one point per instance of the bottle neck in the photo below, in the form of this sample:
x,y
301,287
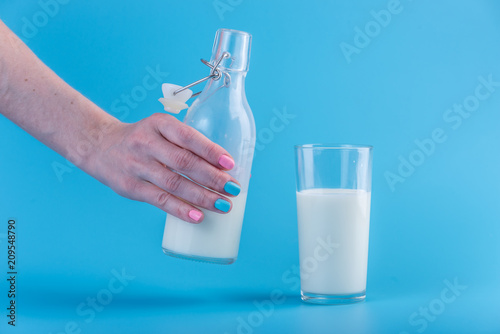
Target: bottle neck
x,y
231,53
235,47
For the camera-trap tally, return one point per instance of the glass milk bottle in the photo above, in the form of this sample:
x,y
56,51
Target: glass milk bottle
x,y
222,114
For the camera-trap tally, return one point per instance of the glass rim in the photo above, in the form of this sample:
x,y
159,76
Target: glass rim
x,y
334,146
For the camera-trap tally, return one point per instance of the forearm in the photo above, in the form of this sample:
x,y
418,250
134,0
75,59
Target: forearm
x,y
35,98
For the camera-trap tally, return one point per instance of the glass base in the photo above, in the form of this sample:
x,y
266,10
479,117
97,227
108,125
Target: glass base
x,y
315,298
214,260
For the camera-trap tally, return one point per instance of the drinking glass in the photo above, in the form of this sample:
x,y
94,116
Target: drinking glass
x,y
333,212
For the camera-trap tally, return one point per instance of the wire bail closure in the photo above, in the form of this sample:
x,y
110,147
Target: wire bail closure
x,y
215,74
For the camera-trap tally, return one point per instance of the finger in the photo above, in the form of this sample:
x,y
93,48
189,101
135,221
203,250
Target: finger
x,y
151,194
186,137
194,167
187,190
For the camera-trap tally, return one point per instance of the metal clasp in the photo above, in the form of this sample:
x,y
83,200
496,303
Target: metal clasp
x,y
215,74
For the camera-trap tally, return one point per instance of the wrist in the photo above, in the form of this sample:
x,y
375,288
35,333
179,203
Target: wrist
x,y
93,139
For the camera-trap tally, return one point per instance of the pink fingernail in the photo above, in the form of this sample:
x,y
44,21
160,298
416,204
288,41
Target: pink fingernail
x,y
195,215
226,161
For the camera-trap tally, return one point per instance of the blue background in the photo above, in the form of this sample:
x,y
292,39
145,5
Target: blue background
x,y
441,223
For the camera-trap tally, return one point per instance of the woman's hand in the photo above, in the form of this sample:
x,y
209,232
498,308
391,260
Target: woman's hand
x,y
136,160
142,161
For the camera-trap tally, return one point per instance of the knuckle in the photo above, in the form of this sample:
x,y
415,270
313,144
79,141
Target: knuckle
x,y
185,134
184,160
164,117
212,150
218,179
178,211
157,117
202,198
128,188
173,182
162,198
132,166
163,121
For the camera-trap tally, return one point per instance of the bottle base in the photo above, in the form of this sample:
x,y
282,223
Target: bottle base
x,y
213,260
315,298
